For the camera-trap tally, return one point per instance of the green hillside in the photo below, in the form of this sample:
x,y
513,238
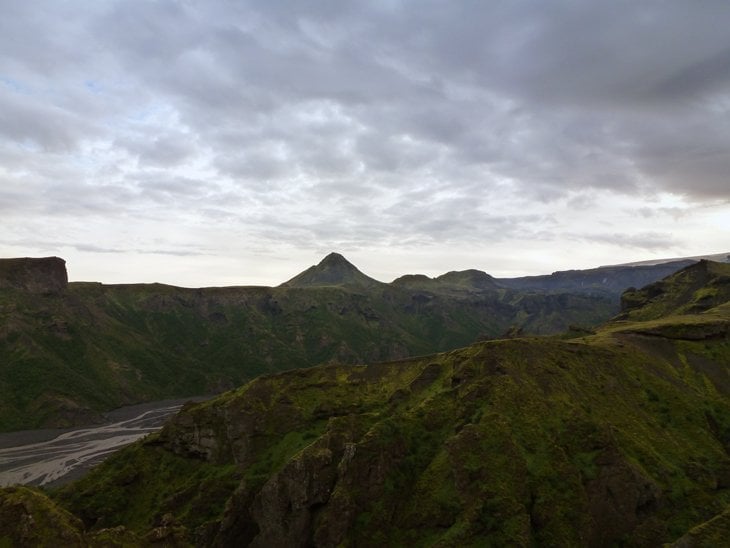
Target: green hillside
x,y
68,353
695,288
621,437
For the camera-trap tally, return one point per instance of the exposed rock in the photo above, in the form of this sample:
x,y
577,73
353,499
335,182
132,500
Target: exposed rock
x,y
619,498
285,507
46,275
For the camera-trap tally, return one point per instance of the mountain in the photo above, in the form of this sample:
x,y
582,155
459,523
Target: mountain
x,y
333,270
464,281
612,280
70,351
46,275
696,288
69,354
621,437
716,258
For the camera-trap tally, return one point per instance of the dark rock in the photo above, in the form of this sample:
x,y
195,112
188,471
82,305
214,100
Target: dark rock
x,y
619,498
47,275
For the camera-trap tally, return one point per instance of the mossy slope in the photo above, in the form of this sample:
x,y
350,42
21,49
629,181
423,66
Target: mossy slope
x,y
619,437
692,290
29,518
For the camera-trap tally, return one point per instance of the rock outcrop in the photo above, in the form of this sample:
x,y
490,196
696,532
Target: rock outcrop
x,y
44,275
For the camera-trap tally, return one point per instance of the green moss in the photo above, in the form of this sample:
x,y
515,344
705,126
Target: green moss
x,y
137,486
29,518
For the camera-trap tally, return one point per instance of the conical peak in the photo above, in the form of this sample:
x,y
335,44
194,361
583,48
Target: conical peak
x,y
335,259
335,270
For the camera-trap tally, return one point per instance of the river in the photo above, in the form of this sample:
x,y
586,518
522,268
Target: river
x,y
53,457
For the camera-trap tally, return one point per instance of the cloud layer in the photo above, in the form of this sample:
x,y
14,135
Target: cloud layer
x,y
229,136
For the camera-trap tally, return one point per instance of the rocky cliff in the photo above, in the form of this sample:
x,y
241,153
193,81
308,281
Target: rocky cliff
x,y
46,275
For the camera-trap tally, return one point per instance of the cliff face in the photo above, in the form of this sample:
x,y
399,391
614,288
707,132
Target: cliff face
x,y
45,275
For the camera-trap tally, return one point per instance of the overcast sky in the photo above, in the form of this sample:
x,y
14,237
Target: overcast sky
x,y
230,142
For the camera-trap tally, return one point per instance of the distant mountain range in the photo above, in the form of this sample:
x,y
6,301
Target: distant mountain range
x,y
717,258
335,270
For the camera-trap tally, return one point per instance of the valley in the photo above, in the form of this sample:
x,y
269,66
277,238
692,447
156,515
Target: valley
x,y
70,351
364,274
618,434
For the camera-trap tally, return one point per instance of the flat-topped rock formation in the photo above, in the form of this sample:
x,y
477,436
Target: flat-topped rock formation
x,y
36,275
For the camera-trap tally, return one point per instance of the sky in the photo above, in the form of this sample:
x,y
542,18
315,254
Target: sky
x,y
224,142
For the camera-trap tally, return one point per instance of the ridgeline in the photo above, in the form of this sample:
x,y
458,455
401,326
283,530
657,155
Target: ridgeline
x,y
69,351
617,437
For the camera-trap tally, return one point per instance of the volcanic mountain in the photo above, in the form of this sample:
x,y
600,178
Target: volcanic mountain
x,y
333,270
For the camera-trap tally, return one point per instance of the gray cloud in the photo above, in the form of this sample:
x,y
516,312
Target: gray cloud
x,y
343,124
649,241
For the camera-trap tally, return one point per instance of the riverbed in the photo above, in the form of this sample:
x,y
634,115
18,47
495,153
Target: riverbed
x,y
52,457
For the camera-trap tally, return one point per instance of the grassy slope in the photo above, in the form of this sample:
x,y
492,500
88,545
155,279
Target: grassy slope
x,y
67,356
694,289
29,518
621,436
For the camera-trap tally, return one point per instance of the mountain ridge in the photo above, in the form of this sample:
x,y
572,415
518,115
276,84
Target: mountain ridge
x,y
696,288
622,436
69,354
335,270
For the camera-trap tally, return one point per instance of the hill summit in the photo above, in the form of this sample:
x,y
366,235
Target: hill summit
x,y
333,270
